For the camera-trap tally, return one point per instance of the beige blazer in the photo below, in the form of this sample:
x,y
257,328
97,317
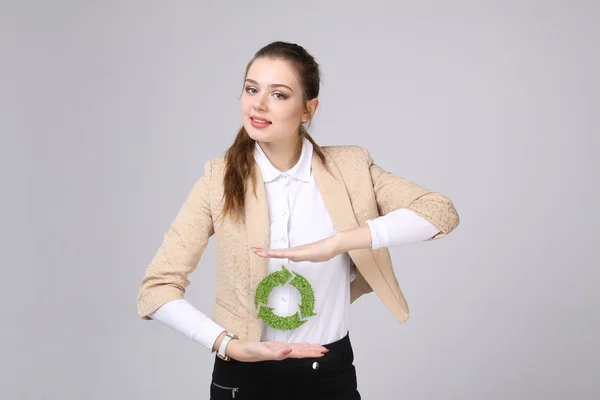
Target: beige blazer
x,y
356,190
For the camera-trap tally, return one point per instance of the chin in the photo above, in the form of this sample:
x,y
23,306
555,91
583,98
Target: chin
x,y
257,134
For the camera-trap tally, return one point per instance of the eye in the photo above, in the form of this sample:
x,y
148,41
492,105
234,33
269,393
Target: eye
x,y
250,89
280,96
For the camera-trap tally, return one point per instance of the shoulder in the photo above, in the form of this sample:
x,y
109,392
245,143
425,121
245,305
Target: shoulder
x,y
346,152
215,167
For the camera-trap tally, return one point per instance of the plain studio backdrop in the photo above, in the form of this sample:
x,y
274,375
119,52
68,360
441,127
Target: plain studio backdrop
x,y
109,110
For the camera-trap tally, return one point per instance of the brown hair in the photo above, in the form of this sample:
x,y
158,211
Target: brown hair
x,y
239,158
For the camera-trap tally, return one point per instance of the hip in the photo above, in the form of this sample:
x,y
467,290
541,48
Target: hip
x,y
333,375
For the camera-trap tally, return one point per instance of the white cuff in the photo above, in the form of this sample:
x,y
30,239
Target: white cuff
x,y
399,227
186,319
374,235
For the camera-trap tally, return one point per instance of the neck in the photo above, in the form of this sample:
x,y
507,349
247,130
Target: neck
x,y
283,156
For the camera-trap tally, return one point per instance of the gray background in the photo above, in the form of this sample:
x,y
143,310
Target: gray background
x,y
109,110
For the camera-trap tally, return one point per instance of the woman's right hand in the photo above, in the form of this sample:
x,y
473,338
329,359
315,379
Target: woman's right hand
x,y
245,351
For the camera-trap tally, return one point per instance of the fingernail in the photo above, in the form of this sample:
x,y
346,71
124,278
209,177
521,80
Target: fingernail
x,y
266,250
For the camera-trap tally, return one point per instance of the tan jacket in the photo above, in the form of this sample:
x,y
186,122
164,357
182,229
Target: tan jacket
x,y
356,190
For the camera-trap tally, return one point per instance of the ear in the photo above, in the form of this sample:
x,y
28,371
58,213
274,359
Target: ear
x,y
311,107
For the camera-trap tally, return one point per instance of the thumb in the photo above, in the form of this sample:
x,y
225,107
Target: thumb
x,y
286,351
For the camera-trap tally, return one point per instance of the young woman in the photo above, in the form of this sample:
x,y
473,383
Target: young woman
x,y
301,232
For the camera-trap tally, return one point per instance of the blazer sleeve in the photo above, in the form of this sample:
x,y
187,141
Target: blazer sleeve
x,y
183,244
393,193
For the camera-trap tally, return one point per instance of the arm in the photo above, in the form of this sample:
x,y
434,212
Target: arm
x,y
184,242
400,227
397,228
184,318
408,213
162,289
181,316
393,193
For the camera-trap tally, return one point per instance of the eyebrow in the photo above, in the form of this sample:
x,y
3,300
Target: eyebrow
x,y
273,85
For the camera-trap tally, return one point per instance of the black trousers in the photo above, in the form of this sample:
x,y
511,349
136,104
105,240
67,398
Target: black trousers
x,y
331,377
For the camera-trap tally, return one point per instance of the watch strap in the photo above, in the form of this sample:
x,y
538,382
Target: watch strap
x,y
223,346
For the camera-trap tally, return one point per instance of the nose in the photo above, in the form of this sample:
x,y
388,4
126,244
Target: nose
x,y
260,103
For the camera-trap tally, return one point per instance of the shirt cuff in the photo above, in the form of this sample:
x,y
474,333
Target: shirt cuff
x,y
181,316
374,235
400,227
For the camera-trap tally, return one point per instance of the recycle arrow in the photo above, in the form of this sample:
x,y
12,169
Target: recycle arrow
x,y
281,278
281,323
307,305
278,278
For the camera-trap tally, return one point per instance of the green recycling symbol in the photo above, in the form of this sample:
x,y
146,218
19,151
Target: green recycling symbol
x,y
280,278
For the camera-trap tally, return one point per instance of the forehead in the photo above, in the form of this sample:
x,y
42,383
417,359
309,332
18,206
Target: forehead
x,y
268,71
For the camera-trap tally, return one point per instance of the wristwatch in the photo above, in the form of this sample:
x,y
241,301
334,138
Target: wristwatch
x,y
223,346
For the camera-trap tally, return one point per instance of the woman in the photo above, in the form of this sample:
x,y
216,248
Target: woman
x,y
301,232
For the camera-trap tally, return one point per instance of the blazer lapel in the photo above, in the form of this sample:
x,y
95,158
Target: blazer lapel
x,y
257,226
335,196
333,190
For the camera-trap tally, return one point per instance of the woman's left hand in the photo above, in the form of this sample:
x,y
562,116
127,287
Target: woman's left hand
x,y
319,251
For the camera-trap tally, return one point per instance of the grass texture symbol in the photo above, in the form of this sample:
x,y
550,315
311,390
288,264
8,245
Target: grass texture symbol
x,y
281,278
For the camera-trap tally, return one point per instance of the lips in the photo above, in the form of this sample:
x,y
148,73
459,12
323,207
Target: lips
x,y
260,120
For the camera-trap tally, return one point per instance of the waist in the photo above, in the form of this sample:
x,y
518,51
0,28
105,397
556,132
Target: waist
x,y
339,359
